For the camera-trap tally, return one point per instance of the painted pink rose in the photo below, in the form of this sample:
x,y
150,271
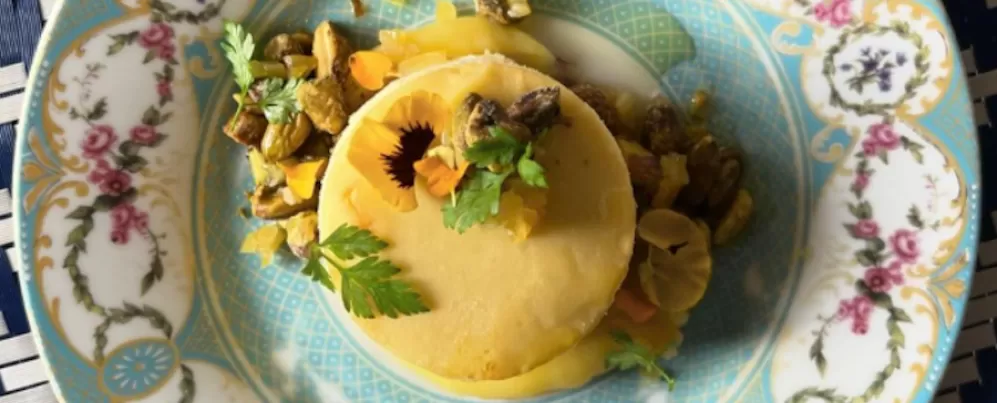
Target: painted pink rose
x,y
116,182
166,52
860,327
904,245
122,216
865,229
883,135
140,221
858,307
896,272
144,135
838,13
100,171
164,89
870,148
861,182
156,36
119,236
98,141
880,279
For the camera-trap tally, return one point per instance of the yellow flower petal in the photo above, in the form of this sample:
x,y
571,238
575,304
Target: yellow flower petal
x,y
371,69
422,108
533,197
301,177
421,61
372,142
264,242
445,10
440,179
520,209
515,217
396,45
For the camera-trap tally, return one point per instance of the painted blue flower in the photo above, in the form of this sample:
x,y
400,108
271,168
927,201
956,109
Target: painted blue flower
x,y
139,368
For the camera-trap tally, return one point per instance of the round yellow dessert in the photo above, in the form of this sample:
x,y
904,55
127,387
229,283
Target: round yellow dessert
x,y
575,367
498,308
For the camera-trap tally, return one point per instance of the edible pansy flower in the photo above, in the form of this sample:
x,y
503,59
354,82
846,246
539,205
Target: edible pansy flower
x,y
385,151
442,176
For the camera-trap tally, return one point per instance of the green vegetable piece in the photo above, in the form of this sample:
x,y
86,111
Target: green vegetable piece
x,y
267,69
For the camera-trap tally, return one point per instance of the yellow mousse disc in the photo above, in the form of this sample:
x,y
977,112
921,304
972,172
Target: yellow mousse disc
x,y
575,367
498,308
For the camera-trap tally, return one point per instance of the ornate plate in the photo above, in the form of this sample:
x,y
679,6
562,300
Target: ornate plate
x,y
851,284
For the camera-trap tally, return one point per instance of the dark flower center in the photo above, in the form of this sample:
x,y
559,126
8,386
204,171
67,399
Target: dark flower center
x,y
413,145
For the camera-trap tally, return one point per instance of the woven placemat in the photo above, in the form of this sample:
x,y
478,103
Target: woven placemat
x,y
971,377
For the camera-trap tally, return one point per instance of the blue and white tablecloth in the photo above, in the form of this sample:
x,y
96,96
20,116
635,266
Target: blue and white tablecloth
x,y
971,377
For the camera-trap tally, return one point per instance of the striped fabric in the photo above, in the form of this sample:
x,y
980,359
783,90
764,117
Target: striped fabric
x,y
971,377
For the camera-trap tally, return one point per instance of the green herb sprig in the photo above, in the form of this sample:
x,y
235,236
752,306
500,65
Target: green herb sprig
x,y
239,47
278,99
369,280
476,201
495,159
634,355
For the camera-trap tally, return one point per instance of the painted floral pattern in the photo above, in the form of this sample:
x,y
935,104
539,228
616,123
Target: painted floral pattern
x,y
116,160
873,67
833,13
883,260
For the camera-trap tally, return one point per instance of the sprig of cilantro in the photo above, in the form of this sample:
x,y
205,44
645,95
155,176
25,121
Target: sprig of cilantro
x,y
634,355
278,99
500,148
239,47
369,280
478,200
479,197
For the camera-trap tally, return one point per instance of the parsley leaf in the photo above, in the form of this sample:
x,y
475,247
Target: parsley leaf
x,y
634,355
317,273
369,280
278,99
531,171
501,148
476,201
239,47
371,277
348,242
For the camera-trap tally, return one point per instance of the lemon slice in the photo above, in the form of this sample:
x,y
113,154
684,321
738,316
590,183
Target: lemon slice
x,y
678,267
